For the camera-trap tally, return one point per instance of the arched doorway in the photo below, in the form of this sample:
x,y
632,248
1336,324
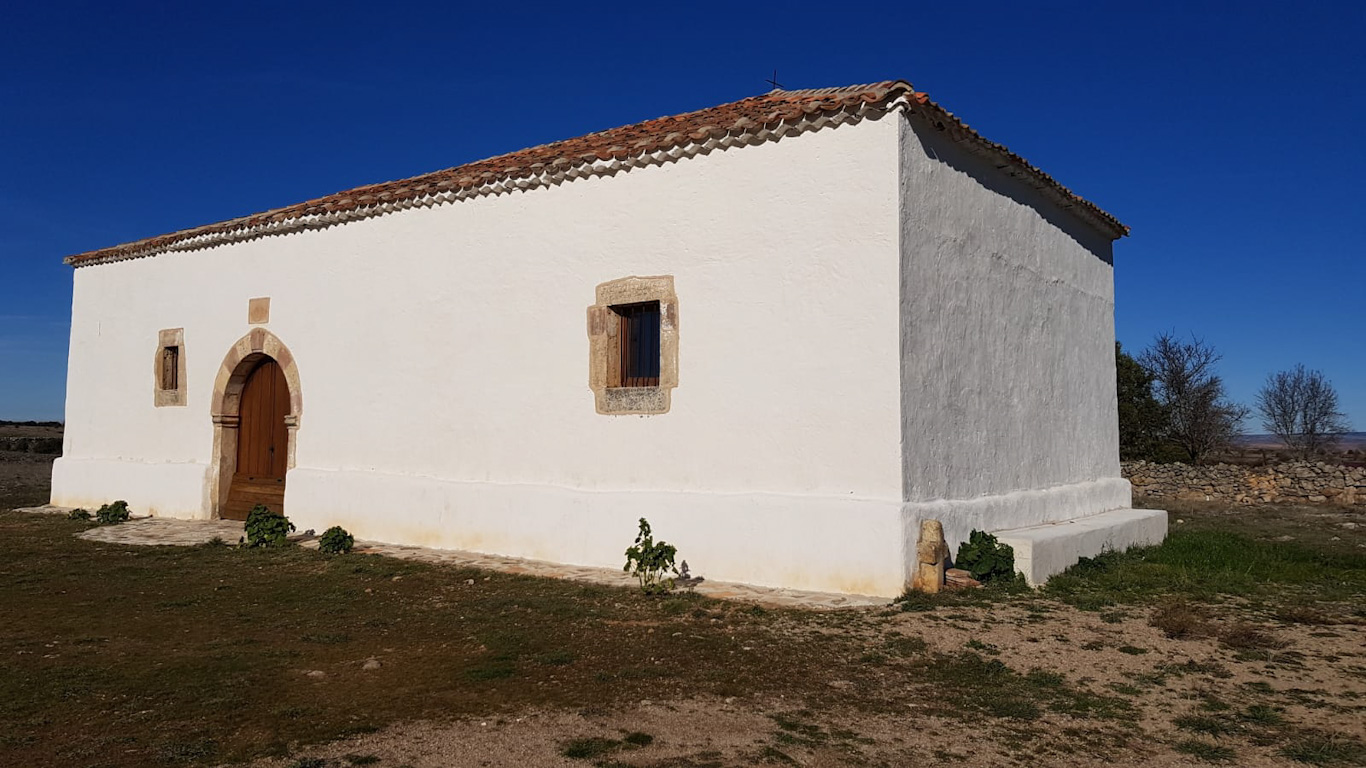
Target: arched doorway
x,y
256,409
262,443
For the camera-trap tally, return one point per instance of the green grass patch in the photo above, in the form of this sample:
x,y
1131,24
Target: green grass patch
x,y
972,683
1203,563
905,645
1210,726
1323,748
1205,751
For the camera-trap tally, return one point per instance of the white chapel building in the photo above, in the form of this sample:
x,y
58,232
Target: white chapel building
x,y
784,330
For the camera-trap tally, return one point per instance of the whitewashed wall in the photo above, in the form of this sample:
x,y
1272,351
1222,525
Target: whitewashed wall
x,y
1007,312
444,363
875,327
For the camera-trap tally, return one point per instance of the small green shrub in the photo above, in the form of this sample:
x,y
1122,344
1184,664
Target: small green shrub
x,y
336,541
265,528
78,514
985,557
650,562
112,514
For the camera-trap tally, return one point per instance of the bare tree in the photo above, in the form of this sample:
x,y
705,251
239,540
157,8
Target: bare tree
x,y
1301,408
1201,417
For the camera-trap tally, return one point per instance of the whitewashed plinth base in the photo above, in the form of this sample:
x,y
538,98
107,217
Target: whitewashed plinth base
x,y
1044,550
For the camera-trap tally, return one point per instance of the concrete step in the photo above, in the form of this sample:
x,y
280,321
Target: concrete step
x,y
1044,550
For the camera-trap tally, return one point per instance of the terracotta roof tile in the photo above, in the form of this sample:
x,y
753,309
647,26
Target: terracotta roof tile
x,y
748,116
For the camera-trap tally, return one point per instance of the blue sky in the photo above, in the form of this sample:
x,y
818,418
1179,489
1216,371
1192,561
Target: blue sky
x,y
1230,136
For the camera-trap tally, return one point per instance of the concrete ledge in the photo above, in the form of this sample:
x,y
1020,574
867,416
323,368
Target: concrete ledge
x,y
1044,550
46,509
1017,509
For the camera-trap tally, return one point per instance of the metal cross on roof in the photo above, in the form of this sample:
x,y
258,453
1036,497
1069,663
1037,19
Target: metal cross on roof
x,y
773,81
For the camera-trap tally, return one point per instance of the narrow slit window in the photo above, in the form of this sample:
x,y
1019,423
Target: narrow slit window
x,y
638,337
170,368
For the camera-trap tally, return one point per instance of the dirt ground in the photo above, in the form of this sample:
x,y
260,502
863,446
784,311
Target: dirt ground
x,y
1024,680
24,478
1255,704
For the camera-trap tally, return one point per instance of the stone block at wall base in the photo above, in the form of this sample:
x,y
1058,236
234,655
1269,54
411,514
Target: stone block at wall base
x,y
1042,551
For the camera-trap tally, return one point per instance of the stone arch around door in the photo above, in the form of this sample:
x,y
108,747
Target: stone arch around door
x,y
242,358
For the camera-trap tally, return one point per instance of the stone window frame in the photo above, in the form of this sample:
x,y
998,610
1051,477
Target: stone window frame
x,y
602,345
169,338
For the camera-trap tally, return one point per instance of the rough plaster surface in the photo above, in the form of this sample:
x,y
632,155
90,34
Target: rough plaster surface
x,y
873,336
1007,348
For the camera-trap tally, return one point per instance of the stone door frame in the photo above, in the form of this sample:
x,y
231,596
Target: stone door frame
x,y
225,409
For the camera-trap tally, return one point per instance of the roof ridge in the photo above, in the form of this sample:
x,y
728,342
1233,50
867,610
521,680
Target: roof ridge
x,y
753,119
884,84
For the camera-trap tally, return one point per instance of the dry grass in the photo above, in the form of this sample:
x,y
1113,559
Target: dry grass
x,y
1180,619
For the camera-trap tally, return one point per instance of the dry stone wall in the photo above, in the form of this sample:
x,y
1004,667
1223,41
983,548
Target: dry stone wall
x,y
1298,481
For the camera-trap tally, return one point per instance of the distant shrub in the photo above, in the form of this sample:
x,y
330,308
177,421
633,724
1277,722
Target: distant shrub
x,y
986,558
112,514
336,541
265,528
78,514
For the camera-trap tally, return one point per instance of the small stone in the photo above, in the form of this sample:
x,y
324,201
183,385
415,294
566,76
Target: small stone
x,y
1349,526
398,578
317,673
957,578
1179,521
371,664
469,582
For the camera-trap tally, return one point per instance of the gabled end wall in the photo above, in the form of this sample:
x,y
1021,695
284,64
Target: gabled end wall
x,y
1008,408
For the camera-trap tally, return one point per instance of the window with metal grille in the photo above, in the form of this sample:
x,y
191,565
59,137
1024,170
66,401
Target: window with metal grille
x,y
638,344
170,368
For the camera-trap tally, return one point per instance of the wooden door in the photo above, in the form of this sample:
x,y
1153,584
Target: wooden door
x,y
262,443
